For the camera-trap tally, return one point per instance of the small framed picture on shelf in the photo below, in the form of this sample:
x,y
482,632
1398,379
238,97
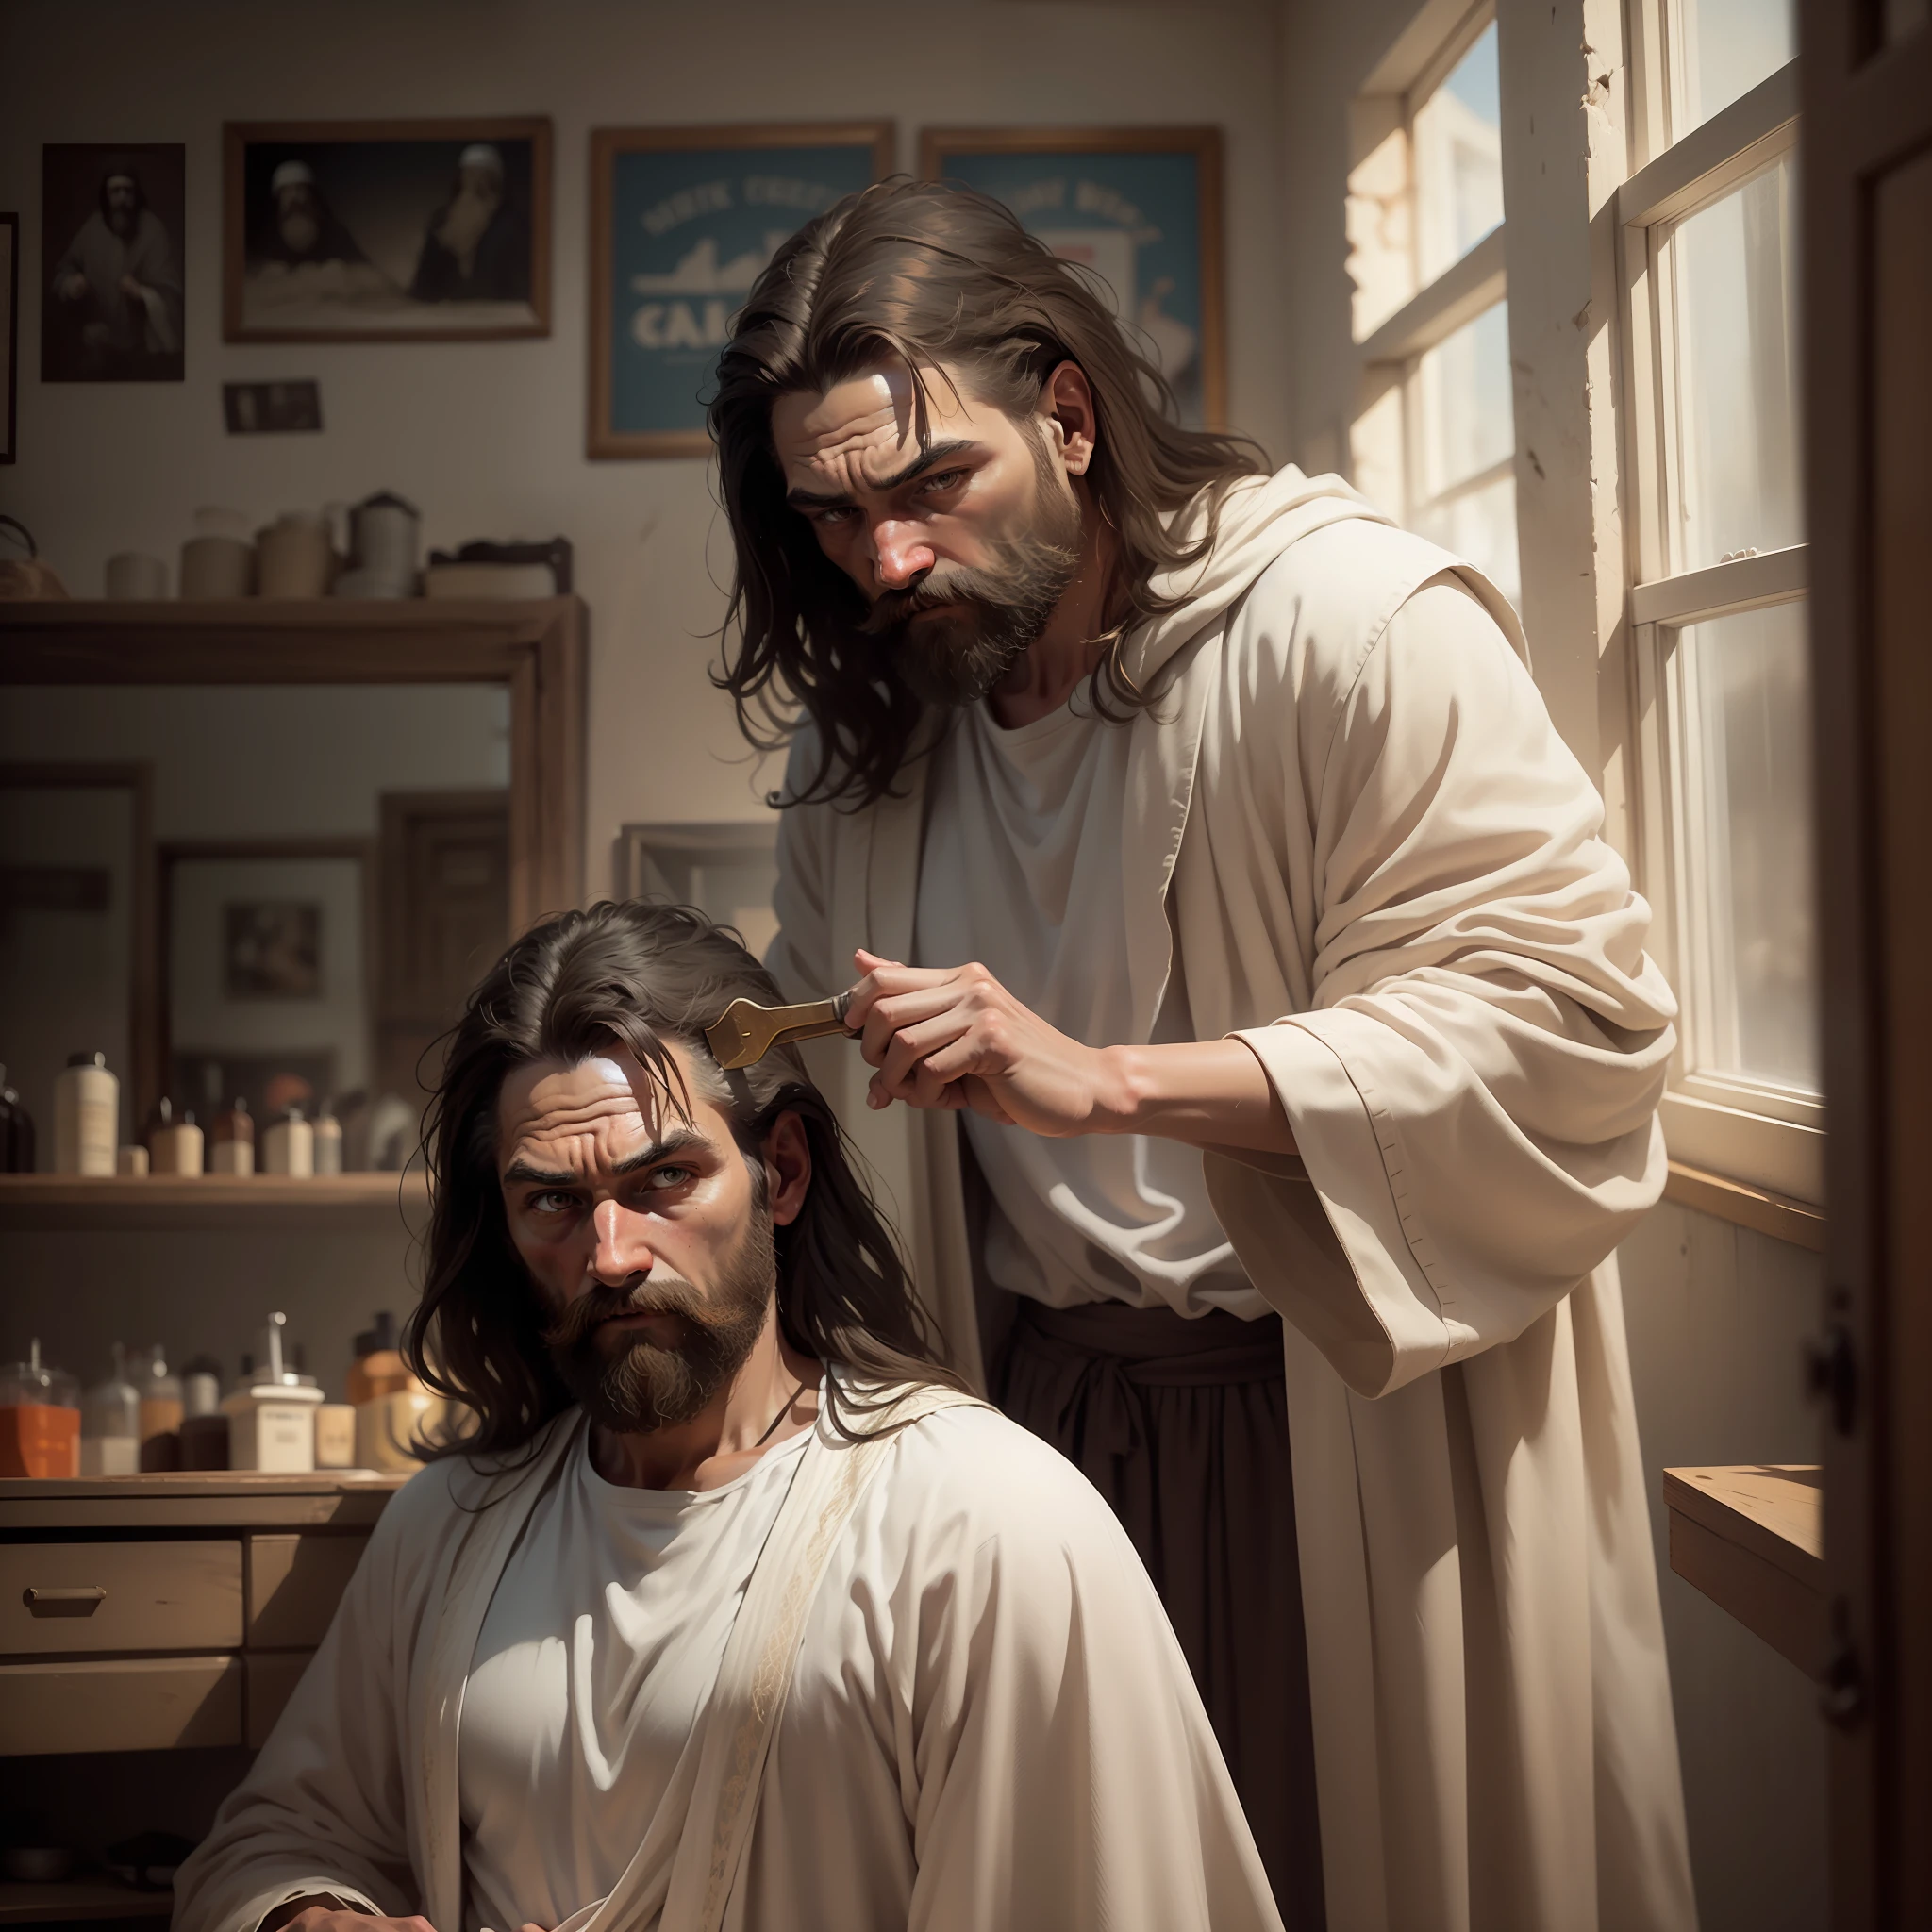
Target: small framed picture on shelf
x,y
1139,208
683,221
385,231
113,241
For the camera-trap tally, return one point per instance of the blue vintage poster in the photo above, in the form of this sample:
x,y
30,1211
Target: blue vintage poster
x,y
690,230
1135,218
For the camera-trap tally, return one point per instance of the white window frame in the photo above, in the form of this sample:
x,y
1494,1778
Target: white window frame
x,y
1760,1135
1385,442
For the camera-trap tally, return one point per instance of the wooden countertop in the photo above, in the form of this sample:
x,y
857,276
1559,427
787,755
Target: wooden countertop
x,y
89,1897
1751,1537
196,1498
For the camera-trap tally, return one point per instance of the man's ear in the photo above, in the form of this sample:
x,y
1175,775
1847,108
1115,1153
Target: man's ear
x,y
787,1155
1066,408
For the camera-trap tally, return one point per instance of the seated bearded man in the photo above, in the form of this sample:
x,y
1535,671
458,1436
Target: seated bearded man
x,y
733,1608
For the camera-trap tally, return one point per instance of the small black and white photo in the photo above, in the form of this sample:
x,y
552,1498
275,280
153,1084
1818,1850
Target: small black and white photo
x,y
386,231
112,246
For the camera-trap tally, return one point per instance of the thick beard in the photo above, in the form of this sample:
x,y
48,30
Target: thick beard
x,y
996,615
642,1387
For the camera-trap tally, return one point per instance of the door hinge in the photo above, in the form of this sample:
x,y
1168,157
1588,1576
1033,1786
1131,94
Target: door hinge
x,y
1841,1688
1831,1375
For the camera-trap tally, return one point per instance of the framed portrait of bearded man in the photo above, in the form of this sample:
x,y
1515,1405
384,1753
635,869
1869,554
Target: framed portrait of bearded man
x,y
1140,209
683,221
386,231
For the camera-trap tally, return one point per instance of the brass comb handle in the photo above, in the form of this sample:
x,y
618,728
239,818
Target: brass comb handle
x,y
746,1032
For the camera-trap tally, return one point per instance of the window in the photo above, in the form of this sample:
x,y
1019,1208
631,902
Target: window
x,y
1718,609
1433,440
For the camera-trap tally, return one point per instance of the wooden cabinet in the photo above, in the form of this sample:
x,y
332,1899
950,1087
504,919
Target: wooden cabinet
x,y
162,1612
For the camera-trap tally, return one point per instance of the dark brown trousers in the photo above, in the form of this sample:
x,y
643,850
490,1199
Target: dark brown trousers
x,y
1182,1425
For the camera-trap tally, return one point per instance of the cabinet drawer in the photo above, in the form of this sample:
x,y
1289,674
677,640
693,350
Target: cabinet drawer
x,y
272,1679
69,1597
295,1583
120,1704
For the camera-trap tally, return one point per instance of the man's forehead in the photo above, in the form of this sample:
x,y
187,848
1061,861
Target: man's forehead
x,y
872,416
607,1093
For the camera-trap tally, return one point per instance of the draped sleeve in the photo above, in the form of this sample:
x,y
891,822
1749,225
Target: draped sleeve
x,y
1473,1084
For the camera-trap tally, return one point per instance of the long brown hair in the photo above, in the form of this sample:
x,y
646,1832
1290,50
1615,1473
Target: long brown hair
x,y
645,976
931,273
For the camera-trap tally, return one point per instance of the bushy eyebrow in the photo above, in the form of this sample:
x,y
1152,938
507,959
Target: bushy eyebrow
x,y
927,459
683,1140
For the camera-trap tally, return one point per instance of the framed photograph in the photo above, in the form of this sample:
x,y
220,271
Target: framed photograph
x,y
1141,207
272,949
112,243
10,335
268,960
730,871
683,221
385,231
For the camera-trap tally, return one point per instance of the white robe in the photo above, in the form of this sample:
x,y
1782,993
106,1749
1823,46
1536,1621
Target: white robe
x,y
1385,872
990,1726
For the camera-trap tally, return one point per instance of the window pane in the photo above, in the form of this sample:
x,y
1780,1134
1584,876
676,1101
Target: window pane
x,y
1735,302
1748,859
1724,48
1459,161
1464,420
1461,440
1479,527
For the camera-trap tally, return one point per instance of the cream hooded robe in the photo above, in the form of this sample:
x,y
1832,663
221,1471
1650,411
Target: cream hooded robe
x,y
1385,870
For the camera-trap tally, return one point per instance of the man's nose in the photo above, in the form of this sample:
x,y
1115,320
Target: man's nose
x,y
623,1249
900,552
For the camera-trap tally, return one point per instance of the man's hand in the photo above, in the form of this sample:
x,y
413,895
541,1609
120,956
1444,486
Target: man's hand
x,y
73,287
957,1037
135,291
954,1037
323,1912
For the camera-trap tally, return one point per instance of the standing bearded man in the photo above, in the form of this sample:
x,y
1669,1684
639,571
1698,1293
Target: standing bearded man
x,y
1278,1051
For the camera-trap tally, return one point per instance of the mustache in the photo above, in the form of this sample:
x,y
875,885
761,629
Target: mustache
x,y
661,1294
947,584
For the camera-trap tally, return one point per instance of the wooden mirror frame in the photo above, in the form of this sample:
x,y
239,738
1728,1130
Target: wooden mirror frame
x,y
536,649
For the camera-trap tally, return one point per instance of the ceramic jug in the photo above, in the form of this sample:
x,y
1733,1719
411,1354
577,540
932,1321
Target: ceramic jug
x,y
383,539
294,555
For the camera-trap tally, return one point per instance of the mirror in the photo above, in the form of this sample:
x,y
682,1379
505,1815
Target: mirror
x,y
329,867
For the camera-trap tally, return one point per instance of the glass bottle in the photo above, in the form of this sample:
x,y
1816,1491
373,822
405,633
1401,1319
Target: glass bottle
x,y
110,1422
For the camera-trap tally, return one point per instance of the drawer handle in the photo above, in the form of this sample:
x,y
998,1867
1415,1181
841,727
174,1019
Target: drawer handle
x,y
81,1602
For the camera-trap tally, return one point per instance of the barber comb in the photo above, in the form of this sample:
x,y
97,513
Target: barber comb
x,y
746,1032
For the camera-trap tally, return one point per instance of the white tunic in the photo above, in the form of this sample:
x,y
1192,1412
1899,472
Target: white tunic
x,y
990,1727
1386,873
600,1647
1021,871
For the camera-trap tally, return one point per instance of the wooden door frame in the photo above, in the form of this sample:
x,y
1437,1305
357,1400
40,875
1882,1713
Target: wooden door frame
x,y
1864,114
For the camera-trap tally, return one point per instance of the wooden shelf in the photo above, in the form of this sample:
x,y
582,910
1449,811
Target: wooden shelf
x,y
1751,1537
80,1898
276,641
76,1203
1776,1215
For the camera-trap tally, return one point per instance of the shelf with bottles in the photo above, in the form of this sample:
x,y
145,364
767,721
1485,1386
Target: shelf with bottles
x,y
83,1203
146,1418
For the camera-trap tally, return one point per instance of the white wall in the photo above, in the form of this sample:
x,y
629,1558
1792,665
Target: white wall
x,y
488,437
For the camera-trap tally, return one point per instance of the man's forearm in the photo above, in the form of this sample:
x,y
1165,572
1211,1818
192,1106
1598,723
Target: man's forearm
x,y
1210,1092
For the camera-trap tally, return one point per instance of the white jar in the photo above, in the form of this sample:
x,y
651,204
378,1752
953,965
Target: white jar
x,y
289,1147
87,1116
